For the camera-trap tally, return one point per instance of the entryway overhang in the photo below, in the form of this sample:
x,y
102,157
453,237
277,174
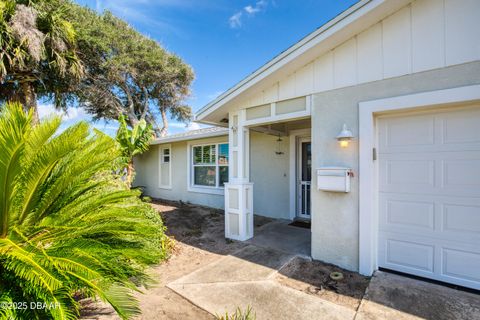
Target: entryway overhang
x,y
277,119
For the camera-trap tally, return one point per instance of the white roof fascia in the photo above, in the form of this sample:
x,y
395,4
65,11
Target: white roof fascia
x,y
189,137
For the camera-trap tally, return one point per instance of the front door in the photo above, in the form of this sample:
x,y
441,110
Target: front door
x,y
304,179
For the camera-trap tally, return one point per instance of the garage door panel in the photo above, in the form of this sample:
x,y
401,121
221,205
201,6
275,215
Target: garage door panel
x,y
460,127
460,218
417,131
409,254
408,214
408,172
444,173
439,131
461,264
431,148
438,217
429,194
463,173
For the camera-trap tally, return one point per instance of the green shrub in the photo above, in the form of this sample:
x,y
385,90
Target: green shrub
x,y
68,226
239,315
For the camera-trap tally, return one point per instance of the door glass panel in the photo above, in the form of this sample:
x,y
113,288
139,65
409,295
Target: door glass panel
x,y
306,161
305,178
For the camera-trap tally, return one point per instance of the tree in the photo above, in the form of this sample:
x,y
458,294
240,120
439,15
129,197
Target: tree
x,y
68,227
38,56
133,142
127,73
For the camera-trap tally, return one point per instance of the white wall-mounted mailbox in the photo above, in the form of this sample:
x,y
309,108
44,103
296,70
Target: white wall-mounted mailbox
x,y
335,179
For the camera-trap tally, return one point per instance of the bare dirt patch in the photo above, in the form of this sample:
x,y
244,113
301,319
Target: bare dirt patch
x,y
198,226
313,277
199,240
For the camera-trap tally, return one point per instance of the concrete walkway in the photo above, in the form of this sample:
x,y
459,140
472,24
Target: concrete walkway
x,y
280,235
247,278
390,296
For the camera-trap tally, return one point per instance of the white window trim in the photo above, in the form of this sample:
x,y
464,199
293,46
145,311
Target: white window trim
x,y
160,163
368,187
203,189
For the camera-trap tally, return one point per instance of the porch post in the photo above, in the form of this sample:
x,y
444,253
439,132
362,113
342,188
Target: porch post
x,y
239,189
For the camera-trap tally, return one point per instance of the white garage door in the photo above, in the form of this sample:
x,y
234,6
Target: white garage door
x,y
429,194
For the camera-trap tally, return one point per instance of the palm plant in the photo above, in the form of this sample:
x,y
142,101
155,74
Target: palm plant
x,y
68,228
133,142
37,51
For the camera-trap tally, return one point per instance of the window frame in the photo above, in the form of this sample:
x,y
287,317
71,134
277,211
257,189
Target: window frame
x,y
161,161
163,155
192,187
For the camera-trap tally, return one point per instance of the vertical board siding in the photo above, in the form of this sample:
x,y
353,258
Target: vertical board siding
x,y
323,73
425,35
397,55
428,40
287,87
304,80
462,26
369,54
344,64
271,94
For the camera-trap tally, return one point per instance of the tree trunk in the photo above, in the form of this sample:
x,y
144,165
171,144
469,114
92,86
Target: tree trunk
x,y
30,100
132,121
130,172
164,130
151,120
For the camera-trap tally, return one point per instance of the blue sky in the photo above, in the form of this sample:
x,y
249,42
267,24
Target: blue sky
x,y
224,41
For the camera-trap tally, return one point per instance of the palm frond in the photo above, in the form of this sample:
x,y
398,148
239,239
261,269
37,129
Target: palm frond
x,y
67,225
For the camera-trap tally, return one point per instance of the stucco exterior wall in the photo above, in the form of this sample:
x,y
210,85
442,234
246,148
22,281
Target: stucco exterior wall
x,y
270,175
146,166
335,222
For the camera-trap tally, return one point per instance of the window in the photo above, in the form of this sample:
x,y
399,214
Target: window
x,y
166,155
210,165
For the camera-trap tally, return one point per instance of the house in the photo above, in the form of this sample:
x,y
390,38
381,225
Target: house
x,y
398,189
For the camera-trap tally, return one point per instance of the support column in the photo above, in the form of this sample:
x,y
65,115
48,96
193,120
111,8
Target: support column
x,y
239,189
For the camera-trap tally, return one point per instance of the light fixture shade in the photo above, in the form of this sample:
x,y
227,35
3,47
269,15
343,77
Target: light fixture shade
x,y
345,134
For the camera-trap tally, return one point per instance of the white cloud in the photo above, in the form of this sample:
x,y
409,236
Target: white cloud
x,y
251,10
138,11
180,126
235,21
177,125
72,114
258,7
193,126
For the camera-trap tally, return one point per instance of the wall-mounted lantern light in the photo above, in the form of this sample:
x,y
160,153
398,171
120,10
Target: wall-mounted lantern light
x,y
345,136
279,150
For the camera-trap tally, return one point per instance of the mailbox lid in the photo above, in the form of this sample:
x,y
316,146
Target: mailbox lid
x,y
333,171
336,179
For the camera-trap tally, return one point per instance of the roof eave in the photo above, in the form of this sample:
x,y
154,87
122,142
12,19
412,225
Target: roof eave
x,y
186,138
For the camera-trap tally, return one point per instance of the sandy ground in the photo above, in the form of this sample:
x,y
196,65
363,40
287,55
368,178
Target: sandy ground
x,y
199,240
313,277
199,236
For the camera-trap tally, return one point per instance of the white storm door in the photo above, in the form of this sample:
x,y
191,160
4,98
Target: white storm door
x,y
304,177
